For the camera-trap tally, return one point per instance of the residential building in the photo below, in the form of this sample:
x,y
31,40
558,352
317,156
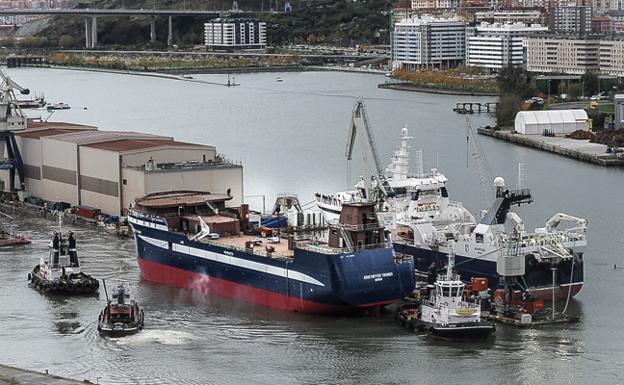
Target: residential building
x,y
601,24
235,33
562,54
527,16
82,165
571,19
435,4
428,42
495,46
612,57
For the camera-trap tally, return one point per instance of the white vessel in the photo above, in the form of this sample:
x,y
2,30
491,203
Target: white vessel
x,y
402,184
478,245
447,314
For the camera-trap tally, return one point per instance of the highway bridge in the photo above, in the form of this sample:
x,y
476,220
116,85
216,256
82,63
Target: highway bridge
x,y
91,14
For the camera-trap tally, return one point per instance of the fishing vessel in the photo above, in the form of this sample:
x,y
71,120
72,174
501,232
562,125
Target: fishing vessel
x,y
121,318
446,313
399,183
478,245
190,239
60,273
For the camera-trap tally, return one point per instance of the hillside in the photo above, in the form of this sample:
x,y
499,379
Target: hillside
x,y
339,22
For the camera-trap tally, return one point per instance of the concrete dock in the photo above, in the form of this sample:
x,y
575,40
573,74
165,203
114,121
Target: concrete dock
x,y
572,148
15,376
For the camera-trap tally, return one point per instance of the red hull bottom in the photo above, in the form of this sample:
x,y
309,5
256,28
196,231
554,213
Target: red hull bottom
x,y
172,276
561,292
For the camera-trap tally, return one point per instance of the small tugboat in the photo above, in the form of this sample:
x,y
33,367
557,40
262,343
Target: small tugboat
x,y
61,274
121,318
59,106
7,239
446,314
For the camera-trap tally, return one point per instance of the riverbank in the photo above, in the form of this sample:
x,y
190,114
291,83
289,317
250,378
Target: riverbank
x,y
10,375
406,86
571,148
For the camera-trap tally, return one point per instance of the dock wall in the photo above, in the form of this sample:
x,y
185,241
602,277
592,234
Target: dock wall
x,y
541,143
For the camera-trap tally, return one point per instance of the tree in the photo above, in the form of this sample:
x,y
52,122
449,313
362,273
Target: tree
x,y
575,90
507,109
66,41
591,83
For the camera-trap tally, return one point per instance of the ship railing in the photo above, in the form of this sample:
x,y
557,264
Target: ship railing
x,y
360,227
340,250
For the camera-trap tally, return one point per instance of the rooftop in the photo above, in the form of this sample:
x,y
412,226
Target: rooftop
x,y
39,129
121,145
180,198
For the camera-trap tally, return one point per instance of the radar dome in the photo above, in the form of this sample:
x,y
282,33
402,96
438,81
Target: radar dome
x,y
404,132
499,182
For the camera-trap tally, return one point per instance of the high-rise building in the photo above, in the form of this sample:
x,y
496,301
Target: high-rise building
x,y
571,19
428,42
495,46
612,57
233,33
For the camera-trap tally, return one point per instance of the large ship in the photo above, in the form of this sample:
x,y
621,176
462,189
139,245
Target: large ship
x,y
479,245
190,239
399,180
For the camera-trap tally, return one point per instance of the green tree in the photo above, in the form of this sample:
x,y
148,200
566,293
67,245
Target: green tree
x,y
508,107
575,90
66,41
590,83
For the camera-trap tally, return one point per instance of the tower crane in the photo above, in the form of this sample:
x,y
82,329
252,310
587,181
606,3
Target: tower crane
x,y
12,119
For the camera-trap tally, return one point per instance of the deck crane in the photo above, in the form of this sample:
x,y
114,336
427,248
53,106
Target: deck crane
x,y
11,120
381,189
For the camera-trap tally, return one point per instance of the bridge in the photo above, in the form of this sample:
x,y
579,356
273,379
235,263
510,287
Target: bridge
x,y
91,15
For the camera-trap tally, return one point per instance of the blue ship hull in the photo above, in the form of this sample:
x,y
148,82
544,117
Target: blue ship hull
x,y
311,282
537,280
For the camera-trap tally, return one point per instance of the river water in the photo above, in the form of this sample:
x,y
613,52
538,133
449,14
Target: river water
x,y
291,136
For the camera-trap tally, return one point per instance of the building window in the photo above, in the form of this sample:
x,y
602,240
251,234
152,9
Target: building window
x,y
125,182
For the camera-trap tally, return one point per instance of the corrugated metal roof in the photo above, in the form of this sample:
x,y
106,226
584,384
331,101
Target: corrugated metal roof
x,y
89,137
131,144
37,130
552,116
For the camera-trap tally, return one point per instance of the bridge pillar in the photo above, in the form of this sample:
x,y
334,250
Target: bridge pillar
x,y
93,32
87,33
153,30
169,33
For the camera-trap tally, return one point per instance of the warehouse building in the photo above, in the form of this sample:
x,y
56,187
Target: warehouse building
x,y
109,169
552,122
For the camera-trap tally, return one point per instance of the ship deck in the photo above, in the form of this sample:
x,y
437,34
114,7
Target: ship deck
x,y
260,245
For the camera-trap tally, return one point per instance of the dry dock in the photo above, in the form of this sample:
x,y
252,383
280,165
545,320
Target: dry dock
x,y
14,376
572,148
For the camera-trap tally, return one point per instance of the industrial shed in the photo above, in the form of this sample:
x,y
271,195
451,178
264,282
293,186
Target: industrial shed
x,y
555,122
82,165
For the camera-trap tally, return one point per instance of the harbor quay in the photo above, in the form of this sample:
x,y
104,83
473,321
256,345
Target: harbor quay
x,y
582,150
15,376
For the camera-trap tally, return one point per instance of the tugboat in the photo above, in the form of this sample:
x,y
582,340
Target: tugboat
x,y
59,106
61,274
446,314
122,318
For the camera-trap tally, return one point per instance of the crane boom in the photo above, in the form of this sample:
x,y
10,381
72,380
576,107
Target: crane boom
x,y
7,82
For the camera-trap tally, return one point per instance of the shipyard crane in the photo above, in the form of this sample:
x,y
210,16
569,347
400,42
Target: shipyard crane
x,y
11,120
8,83
360,115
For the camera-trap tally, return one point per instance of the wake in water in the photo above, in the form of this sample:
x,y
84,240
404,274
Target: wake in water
x,y
163,337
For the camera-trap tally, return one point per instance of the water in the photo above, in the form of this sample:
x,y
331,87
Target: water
x,y
291,136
